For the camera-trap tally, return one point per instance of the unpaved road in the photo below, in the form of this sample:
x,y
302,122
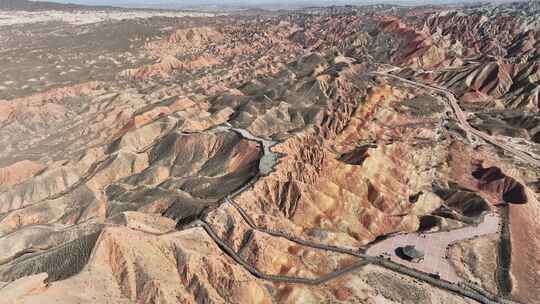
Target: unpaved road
x,y
436,241
462,120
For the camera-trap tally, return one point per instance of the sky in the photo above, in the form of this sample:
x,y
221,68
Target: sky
x,y
239,3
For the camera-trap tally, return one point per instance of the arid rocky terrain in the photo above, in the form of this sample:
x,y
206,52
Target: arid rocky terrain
x,y
270,156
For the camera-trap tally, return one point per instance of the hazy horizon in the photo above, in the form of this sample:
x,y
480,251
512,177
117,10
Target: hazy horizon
x,y
248,3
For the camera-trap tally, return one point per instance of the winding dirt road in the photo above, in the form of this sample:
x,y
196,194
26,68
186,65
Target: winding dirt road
x,y
480,296
462,120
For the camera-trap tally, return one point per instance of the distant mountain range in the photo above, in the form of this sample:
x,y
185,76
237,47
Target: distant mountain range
x,y
43,5
203,4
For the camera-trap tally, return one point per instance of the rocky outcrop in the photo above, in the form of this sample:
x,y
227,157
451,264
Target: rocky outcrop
x,y
493,180
494,83
416,49
18,172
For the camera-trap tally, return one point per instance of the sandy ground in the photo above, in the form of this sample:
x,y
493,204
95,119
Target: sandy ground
x,y
434,246
525,267
86,17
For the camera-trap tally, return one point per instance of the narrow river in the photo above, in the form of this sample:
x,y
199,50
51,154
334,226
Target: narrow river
x,y
269,158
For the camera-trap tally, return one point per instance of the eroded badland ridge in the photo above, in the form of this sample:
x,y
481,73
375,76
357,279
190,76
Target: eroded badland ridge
x,y
375,154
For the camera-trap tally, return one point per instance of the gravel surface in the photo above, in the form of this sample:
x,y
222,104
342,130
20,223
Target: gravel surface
x,y
434,246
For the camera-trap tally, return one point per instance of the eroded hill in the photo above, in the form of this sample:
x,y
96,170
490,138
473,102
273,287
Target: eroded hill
x,y
256,159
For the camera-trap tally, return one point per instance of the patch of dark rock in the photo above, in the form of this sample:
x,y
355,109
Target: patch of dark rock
x,y
475,206
228,100
455,128
515,195
524,121
246,240
500,129
122,200
452,214
536,137
504,257
230,227
181,207
207,188
488,175
374,196
166,147
470,204
253,87
113,146
409,253
413,198
429,222
184,212
357,156
288,197
59,263
380,238
494,180
464,201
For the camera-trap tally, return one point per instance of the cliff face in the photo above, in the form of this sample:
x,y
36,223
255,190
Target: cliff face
x,y
254,159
